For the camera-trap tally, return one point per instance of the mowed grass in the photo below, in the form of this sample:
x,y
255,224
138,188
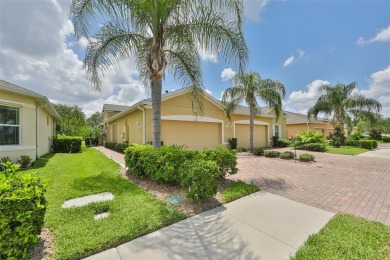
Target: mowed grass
x,y
347,237
347,150
237,190
133,212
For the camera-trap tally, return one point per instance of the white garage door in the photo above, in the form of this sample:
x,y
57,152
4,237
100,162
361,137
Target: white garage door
x,y
259,135
196,135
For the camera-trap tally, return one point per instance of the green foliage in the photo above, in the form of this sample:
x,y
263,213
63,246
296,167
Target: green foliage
x,y
305,137
72,120
305,157
4,160
367,144
337,138
356,136
242,149
275,140
91,141
200,178
287,155
232,143
258,151
120,148
22,207
67,144
376,134
237,190
386,139
283,143
352,142
272,154
225,159
24,161
315,147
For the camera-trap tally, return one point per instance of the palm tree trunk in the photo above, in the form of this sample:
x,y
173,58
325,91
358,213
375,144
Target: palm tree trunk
x,y
156,111
251,123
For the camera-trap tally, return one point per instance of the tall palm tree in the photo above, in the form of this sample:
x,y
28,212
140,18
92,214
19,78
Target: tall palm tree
x,y
342,105
159,35
247,88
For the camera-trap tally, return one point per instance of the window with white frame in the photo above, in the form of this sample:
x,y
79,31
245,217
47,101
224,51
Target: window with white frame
x,y
276,130
9,125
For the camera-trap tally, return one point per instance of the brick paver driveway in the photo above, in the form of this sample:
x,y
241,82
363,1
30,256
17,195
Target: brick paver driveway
x,y
337,183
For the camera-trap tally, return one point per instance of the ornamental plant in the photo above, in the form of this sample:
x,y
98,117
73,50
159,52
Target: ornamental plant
x,y
22,207
308,137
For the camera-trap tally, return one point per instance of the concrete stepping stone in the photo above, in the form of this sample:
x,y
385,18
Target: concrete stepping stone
x,y
102,215
82,201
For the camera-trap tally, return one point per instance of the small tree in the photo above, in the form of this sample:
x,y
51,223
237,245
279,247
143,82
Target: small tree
x,y
337,138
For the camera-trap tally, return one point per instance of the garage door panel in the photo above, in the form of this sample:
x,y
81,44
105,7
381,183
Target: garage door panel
x,y
259,135
196,135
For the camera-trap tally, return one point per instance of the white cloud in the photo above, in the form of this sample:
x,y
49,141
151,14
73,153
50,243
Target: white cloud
x,y
208,91
289,61
300,101
83,42
208,56
253,8
383,35
227,74
34,54
301,53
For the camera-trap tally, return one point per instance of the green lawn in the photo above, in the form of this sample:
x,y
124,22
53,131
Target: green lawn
x,y
347,237
237,190
133,212
347,150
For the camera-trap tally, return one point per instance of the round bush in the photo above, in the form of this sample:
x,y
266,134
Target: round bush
x,y
258,151
305,157
287,155
272,154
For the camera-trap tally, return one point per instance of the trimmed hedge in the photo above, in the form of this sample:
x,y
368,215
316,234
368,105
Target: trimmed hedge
x,y
369,144
67,144
315,147
287,155
272,154
165,164
22,207
386,139
352,142
305,157
91,141
120,148
283,143
258,151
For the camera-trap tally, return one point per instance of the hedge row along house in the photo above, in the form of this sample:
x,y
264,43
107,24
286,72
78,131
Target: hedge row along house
x,y
183,125
27,122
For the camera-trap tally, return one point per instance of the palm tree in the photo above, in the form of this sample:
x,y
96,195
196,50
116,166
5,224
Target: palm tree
x,y
342,105
247,88
159,35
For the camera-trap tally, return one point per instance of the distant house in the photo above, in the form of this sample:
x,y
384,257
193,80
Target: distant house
x,y
299,122
27,122
181,124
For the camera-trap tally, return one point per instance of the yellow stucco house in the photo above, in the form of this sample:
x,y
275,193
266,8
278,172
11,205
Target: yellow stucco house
x,y
297,123
181,125
27,122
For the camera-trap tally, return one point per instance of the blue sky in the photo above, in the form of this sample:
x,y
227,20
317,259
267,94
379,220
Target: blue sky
x,y
303,44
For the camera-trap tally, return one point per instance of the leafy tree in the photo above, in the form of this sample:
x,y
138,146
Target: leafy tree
x,y
339,103
72,120
159,35
95,119
247,88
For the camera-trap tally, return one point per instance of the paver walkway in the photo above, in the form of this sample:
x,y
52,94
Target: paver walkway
x,y
338,183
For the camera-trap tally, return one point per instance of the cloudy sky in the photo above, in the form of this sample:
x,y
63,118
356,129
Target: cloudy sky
x,y
303,44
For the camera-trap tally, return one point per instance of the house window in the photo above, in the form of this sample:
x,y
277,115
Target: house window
x,y
9,125
276,130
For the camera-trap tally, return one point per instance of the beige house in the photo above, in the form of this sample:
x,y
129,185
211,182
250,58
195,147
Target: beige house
x,y
181,124
299,122
27,122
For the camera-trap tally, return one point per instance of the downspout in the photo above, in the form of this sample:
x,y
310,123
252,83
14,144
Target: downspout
x,y
37,130
143,123
308,127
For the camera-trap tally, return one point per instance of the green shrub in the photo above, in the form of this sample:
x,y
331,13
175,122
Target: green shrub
x,y
67,144
272,154
237,190
305,157
367,144
242,149
316,147
352,142
356,136
309,137
120,148
275,140
226,160
24,161
287,155
375,134
91,141
200,178
134,158
22,207
337,138
233,143
258,151
4,160
283,143
375,144
386,139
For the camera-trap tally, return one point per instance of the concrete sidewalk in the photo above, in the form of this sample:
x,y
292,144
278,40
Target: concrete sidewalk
x,y
259,226
377,153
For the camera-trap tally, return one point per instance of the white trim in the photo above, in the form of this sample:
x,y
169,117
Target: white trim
x,y
202,119
10,148
247,122
14,103
273,130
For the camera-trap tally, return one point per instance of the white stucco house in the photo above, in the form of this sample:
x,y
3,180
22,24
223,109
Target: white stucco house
x,y
27,122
